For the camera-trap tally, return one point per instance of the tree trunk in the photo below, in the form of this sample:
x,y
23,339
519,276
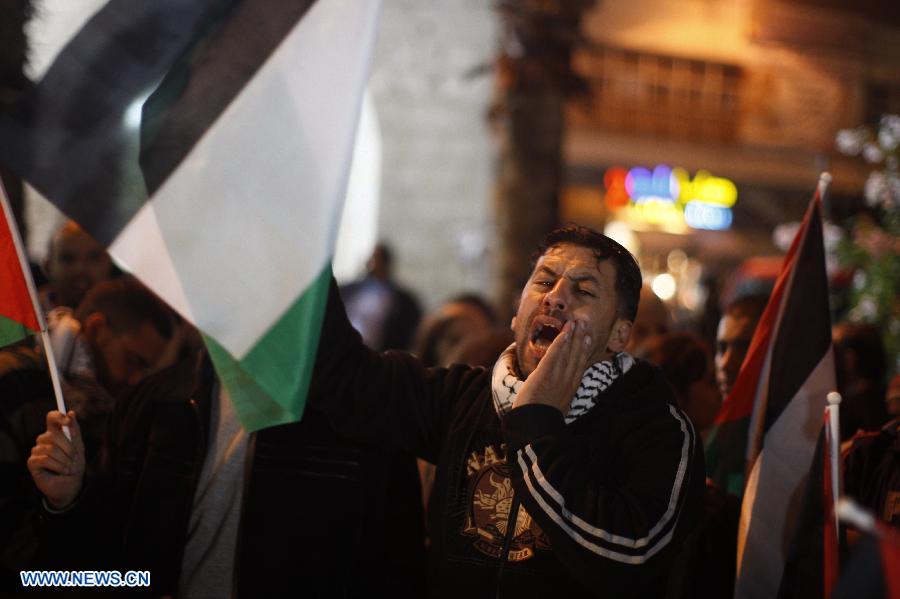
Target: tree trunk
x,y
529,179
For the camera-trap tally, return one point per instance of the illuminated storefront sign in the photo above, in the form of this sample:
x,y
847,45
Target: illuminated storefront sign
x,y
669,198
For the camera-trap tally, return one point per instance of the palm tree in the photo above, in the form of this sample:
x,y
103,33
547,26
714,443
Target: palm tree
x,y
534,77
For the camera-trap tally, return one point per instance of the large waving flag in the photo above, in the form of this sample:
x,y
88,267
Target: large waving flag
x,y
18,318
207,144
784,381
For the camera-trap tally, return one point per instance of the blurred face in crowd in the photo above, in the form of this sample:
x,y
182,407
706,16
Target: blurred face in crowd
x,y
123,359
568,283
732,342
652,319
75,264
462,320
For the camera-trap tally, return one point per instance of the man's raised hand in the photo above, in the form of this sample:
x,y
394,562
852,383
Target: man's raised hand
x,y
558,375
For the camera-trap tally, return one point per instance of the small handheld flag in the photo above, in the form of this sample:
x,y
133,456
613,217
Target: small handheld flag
x,y
19,307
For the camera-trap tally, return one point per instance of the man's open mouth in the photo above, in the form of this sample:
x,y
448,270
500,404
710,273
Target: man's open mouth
x,y
544,331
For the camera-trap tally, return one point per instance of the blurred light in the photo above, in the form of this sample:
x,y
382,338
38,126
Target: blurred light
x,y
701,215
712,190
614,182
675,260
133,113
622,233
705,200
664,286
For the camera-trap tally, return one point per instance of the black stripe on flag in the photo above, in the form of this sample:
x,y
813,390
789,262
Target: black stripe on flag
x,y
69,136
208,77
804,333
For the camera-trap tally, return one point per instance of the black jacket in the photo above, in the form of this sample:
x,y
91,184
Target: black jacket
x,y
606,501
317,510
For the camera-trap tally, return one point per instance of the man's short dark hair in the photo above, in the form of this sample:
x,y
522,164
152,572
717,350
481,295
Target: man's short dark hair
x,y
628,273
750,306
126,305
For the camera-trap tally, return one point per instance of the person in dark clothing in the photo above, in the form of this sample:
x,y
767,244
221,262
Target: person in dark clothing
x,y
385,314
120,334
687,366
568,470
861,368
213,511
872,472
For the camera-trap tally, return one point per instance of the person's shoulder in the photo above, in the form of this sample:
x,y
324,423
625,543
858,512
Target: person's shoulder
x,y
645,384
465,377
648,402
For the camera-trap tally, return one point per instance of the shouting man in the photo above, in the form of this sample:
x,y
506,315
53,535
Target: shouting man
x,y
567,471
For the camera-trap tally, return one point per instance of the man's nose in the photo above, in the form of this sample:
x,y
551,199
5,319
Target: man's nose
x,y
731,362
558,297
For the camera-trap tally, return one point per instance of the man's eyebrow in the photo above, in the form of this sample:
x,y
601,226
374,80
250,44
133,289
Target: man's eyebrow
x,y
581,278
546,270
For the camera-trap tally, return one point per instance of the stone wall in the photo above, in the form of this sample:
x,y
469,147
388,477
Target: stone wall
x,y
437,157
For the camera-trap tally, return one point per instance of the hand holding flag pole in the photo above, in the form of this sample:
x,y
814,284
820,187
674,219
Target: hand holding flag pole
x,y
12,226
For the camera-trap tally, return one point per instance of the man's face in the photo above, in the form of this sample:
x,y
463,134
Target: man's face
x,y
123,359
568,283
732,341
75,264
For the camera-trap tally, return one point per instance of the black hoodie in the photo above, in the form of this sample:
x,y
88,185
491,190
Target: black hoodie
x,y
528,506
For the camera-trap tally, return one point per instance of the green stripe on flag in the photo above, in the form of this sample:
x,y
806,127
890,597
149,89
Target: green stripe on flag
x,y
268,386
725,454
12,331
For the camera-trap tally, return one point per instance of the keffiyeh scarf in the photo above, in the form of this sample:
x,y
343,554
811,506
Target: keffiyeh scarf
x,y
505,383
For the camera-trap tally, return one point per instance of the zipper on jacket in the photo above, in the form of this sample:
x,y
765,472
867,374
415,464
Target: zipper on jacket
x,y
507,541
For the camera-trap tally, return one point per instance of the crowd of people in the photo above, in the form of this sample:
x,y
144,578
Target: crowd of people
x,y
450,455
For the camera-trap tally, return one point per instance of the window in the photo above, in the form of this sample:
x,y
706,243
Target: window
x,y
659,96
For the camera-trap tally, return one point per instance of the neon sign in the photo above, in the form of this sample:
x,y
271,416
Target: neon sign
x,y
670,198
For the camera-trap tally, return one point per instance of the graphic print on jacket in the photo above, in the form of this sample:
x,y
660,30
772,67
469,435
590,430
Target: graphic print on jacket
x,y
489,501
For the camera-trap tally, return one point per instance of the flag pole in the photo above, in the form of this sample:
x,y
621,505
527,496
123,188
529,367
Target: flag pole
x,y
39,313
822,187
834,447
833,398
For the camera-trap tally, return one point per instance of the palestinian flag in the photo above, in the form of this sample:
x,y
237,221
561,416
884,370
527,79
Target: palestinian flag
x,y
725,448
207,144
782,387
813,562
18,318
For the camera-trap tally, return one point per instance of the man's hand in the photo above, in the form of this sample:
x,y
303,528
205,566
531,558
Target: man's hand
x,y
558,374
57,464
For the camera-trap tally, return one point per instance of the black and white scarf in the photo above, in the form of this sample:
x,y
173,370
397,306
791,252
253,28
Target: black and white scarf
x,y
505,383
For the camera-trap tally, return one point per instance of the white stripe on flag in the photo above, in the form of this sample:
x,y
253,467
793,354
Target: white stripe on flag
x,y
140,248
775,490
250,217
